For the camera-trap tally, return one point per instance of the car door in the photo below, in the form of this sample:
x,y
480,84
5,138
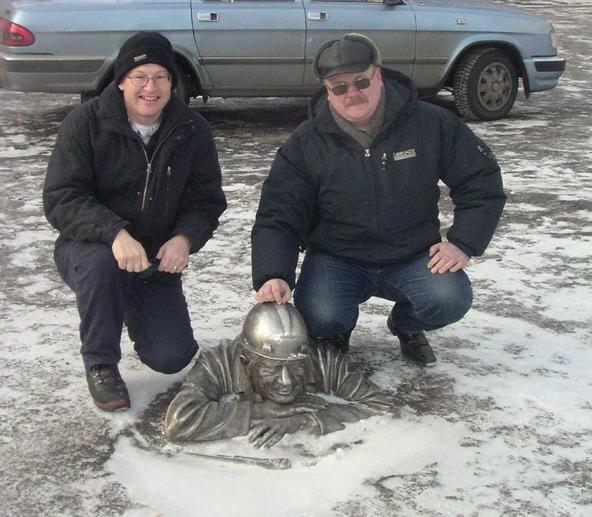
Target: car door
x,y
391,27
250,47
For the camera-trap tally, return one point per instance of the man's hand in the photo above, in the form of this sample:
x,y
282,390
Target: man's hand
x,y
304,404
274,290
129,253
271,431
174,254
446,257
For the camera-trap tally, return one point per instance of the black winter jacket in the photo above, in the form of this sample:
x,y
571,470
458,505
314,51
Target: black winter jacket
x,y
379,205
100,178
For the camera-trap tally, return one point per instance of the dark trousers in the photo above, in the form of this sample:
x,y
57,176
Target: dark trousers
x,y
154,310
329,291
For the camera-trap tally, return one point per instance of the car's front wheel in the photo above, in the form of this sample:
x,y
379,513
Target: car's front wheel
x,y
485,84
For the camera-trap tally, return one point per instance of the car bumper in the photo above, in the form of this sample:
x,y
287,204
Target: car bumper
x,y
543,72
46,73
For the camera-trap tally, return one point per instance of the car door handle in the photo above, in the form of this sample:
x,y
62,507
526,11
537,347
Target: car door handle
x,y
320,16
207,17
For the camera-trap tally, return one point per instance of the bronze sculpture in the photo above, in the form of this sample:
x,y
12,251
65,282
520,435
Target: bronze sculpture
x,y
263,384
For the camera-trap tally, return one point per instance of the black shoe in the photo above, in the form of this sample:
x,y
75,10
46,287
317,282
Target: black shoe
x,y
414,345
107,387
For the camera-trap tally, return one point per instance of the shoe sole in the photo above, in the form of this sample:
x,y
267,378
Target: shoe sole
x,y
115,405
419,363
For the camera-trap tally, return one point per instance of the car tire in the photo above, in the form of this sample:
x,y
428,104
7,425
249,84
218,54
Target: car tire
x,y
183,86
485,85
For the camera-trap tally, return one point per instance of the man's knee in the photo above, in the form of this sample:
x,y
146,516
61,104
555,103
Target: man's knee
x,y
169,359
447,304
82,262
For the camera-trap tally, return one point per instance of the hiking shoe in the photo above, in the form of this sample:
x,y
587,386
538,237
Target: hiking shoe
x,y
107,388
414,345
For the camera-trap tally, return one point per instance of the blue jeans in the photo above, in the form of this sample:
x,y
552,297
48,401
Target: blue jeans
x,y
329,291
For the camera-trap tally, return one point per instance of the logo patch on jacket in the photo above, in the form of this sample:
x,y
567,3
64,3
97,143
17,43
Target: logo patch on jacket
x,y
404,155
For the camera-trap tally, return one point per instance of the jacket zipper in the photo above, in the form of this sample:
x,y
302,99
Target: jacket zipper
x,y
168,177
149,162
374,213
148,173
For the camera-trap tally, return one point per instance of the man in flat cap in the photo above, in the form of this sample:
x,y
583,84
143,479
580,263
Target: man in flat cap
x,y
133,187
356,185
263,384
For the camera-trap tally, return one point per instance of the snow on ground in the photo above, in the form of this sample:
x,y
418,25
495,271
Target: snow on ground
x,y
502,425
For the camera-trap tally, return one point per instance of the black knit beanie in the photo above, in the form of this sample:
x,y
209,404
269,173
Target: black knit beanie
x,y
142,48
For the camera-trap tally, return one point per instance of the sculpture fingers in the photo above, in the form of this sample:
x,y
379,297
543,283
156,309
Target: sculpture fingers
x,y
257,432
265,437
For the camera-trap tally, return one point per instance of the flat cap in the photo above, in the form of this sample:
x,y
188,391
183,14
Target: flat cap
x,y
349,54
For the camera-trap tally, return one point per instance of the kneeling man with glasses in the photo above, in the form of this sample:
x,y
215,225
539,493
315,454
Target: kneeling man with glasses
x,y
356,186
133,186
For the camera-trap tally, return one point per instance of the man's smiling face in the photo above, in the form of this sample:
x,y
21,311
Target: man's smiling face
x,y
144,104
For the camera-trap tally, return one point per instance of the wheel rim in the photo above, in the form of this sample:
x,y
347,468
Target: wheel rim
x,y
494,86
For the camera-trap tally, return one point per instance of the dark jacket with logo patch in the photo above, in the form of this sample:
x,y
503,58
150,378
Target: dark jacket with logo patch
x,y
100,178
379,205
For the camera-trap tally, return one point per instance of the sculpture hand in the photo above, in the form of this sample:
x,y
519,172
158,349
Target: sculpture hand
x,y
271,431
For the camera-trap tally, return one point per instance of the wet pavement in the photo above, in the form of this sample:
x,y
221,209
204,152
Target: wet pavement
x,y
531,323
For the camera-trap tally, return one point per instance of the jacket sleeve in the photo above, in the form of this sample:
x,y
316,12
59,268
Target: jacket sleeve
x,y
204,409
469,168
203,201
284,217
69,199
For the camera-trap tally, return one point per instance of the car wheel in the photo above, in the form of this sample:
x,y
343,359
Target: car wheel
x,y
485,85
183,86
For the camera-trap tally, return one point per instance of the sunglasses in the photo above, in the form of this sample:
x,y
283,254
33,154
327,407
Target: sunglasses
x,y
361,83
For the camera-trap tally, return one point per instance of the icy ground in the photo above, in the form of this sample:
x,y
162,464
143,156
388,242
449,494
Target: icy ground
x,y
501,426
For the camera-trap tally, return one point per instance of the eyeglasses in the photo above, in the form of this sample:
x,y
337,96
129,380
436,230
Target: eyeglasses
x,y
140,80
361,83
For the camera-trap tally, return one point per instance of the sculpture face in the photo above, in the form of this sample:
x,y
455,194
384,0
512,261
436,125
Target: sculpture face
x,y
281,382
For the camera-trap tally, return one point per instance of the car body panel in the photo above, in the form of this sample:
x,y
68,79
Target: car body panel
x,y
266,47
271,36
392,28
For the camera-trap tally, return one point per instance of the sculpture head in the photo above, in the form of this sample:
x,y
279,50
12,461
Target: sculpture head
x,y
276,351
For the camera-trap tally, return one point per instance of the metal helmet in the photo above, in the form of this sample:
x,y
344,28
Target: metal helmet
x,y
275,332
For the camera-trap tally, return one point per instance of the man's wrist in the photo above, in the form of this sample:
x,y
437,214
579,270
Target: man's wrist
x,y
185,238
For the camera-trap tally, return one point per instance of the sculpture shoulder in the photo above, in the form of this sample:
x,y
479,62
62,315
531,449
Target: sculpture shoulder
x,y
215,363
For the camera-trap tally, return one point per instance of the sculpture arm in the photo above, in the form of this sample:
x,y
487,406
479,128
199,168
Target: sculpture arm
x,y
194,416
337,376
208,406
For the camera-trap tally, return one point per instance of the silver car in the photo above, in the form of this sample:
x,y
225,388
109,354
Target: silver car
x,y
226,48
